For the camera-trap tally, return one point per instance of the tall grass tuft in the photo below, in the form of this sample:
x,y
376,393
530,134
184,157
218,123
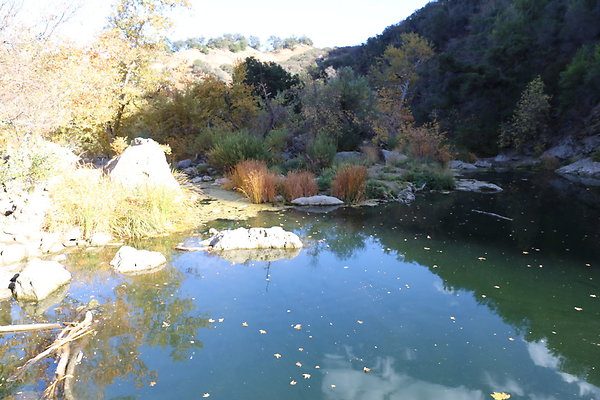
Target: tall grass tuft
x,y
90,200
349,183
299,184
253,180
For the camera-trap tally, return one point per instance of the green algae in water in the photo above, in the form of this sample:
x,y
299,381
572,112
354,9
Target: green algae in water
x,y
434,300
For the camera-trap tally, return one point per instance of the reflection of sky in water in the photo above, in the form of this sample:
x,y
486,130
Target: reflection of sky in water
x,y
541,356
384,382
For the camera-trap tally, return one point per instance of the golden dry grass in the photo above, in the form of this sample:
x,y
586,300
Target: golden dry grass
x,y
299,184
253,180
350,183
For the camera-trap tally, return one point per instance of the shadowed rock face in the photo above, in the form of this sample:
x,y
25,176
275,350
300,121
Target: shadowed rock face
x,y
142,163
586,168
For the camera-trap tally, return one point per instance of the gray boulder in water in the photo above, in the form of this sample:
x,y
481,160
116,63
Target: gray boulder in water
x,y
129,260
254,238
586,168
317,201
142,163
39,279
473,185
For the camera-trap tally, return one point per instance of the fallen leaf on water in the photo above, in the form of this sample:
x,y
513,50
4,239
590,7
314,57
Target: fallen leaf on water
x,y
593,295
497,287
511,339
360,322
317,366
152,383
500,396
244,324
332,386
481,258
300,348
525,252
206,395
578,308
453,318
298,364
366,369
166,324
298,326
306,376
211,320
293,383
277,355
262,331
221,319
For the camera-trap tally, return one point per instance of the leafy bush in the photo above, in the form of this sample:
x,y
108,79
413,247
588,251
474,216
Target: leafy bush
x,y
325,178
321,152
131,212
432,176
253,180
378,190
349,183
232,148
293,164
299,184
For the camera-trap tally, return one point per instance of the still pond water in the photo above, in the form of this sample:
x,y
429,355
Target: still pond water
x,y
424,301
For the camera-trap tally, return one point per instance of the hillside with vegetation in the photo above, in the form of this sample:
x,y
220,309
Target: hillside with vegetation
x,y
517,74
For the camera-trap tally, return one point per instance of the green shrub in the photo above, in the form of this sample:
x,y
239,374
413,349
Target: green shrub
x,y
378,190
596,156
321,152
432,176
276,140
231,148
292,164
325,178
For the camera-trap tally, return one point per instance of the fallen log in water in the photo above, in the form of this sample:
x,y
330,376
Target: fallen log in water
x,y
28,327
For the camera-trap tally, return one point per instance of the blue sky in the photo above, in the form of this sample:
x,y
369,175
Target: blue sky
x,y
328,22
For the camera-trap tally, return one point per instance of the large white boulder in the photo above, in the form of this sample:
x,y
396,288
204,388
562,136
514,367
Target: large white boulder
x,y
39,279
142,163
254,238
317,201
129,260
586,167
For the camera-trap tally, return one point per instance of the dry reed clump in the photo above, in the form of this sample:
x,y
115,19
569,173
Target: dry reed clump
x,y
350,183
89,200
253,180
299,184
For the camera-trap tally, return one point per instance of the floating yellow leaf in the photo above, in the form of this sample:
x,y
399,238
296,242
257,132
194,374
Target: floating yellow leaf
x,y
360,322
332,386
298,364
206,395
300,348
221,319
277,355
481,258
500,396
578,308
298,326
244,324
293,383
152,383
211,320
511,339
453,318
262,331
306,376
317,366
366,369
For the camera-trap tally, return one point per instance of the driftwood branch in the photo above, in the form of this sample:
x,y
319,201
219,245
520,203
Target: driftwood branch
x,y
28,327
492,214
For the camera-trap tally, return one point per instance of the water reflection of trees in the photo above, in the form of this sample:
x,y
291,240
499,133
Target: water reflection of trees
x,y
140,311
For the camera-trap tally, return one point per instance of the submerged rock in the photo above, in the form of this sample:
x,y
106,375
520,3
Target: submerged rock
x,y
132,261
39,279
254,238
587,168
317,201
473,185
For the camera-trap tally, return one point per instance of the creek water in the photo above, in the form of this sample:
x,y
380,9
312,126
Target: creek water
x,y
432,300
